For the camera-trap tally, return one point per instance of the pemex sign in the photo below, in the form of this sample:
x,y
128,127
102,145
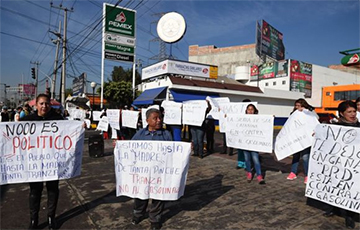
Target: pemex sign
x,y
351,59
119,33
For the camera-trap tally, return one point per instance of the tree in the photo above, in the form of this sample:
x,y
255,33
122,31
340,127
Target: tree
x,y
118,93
119,74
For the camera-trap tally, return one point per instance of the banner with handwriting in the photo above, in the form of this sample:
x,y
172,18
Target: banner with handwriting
x,y
250,132
76,114
40,151
96,115
172,112
129,118
103,124
334,167
151,169
296,134
193,112
215,103
114,118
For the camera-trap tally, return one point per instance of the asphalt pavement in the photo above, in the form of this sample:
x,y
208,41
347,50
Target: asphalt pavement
x,y
217,196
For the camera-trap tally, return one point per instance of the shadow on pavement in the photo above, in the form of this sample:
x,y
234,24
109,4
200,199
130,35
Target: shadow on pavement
x,y
197,195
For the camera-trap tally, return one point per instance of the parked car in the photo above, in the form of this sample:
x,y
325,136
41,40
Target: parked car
x,y
326,117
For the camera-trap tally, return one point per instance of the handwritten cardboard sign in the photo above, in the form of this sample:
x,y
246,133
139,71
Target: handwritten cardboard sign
x,y
250,132
143,114
296,134
334,167
215,103
103,124
231,108
40,151
96,115
151,169
129,118
114,118
76,114
193,112
172,112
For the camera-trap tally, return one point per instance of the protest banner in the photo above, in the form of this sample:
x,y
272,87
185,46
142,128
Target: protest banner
x,y
334,167
129,118
96,115
172,111
193,112
231,108
151,169
215,103
296,134
250,132
143,114
76,114
114,118
40,151
103,124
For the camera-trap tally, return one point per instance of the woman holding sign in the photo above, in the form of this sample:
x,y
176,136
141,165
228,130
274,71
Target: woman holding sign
x,y
43,112
251,109
347,117
300,105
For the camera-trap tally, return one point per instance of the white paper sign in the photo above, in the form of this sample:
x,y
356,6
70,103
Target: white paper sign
x,y
76,114
129,118
231,108
88,123
358,115
215,106
103,124
114,118
296,134
172,112
251,132
143,114
96,115
40,151
193,112
151,169
334,167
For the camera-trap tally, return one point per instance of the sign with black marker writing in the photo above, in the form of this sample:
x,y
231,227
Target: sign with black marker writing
x,y
40,151
151,169
334,167
172,111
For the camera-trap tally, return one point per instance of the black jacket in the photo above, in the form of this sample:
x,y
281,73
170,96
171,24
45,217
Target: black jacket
x,y
51,115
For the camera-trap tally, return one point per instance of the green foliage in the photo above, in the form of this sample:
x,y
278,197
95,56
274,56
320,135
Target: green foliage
x,y
68,92
119,74
118,93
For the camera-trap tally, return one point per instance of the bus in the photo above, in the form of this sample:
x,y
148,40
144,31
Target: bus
x,y
332,96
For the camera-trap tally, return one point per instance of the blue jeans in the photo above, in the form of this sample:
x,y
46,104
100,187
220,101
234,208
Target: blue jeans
x,y
296,158
198,140
255,157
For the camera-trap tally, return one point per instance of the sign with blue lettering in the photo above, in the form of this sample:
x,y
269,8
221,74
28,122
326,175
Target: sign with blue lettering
x,y
40,151
151,169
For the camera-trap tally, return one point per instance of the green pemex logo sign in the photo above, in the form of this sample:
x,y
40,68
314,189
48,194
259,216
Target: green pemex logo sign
x,y
120,21
351,59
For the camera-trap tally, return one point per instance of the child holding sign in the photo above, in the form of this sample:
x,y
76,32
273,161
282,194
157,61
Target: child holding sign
x,y
251,109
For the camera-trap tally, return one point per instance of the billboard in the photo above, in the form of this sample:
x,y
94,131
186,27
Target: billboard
x,y
269,41
27,89
119,33
269,70
180,68
301,77
78,86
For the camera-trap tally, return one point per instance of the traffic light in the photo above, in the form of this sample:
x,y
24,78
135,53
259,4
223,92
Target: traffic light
x,y
33,74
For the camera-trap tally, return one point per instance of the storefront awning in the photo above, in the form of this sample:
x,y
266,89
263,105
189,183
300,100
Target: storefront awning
x,y
148,96
180,95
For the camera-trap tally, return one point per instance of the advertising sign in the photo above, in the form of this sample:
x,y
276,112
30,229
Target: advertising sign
x,y
269,70
300,77
119,33
271,42
181,68
28,89
79,85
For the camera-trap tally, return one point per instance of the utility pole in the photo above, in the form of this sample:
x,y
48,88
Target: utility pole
x,y
57,42
63,70
36,76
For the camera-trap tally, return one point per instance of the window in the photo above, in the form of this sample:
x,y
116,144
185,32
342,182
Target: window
x,y
267,84
274,83
283,82
347,95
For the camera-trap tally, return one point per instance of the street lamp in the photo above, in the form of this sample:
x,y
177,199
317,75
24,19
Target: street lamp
x,y
93,85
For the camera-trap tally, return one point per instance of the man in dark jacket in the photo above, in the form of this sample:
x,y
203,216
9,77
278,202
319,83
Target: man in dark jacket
x,y
43,112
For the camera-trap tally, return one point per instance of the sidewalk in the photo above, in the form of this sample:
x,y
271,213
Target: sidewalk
x,y
217,196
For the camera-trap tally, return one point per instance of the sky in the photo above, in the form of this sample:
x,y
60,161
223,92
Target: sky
x,y
314,32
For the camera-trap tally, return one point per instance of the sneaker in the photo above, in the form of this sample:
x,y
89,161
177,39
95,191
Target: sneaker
x,y
292,176
248,176
260,179
305,180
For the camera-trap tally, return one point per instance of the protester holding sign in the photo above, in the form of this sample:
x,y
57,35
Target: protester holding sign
x,y
44,112
347,114
251,109
154,132
300,105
